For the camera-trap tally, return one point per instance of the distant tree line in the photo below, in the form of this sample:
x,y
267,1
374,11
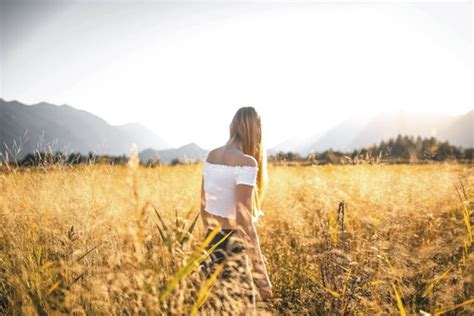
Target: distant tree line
x,y
48,158
402,149
40,158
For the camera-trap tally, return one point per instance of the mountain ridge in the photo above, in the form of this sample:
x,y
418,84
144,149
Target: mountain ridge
x,y
65,128
357,132
68,129
187,152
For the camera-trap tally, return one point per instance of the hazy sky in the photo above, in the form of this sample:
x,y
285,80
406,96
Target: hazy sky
x,y
183,68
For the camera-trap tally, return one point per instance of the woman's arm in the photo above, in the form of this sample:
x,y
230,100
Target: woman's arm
x,y
244,222
203,205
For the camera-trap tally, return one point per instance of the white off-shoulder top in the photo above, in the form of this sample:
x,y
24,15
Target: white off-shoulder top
x,y
220,182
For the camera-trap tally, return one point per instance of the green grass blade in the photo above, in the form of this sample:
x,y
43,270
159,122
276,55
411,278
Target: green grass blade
x,y
400,306
193,262
206,289
190,229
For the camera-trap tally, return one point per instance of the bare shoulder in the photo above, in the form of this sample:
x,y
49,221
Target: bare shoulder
x,y
246,160
231,157
211,156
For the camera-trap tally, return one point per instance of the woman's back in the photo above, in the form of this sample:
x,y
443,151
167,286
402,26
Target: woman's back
x,y
223,170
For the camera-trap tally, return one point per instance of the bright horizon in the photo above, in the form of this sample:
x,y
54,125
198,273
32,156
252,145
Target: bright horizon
x,y
183,69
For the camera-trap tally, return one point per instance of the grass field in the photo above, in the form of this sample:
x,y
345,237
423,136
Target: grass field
x,y
87,240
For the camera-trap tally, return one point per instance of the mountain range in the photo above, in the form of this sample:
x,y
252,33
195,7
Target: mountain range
x,y
187,152
359,132
64,128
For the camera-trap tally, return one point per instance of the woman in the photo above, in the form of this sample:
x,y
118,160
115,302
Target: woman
x,y
234,178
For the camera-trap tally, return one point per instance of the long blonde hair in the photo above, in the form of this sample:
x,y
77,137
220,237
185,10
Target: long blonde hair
x,y
246,127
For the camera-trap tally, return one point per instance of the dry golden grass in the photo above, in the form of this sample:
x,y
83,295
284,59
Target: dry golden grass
x,y
84,240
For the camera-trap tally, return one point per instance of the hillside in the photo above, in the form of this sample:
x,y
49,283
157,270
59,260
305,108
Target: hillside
x,y
64,128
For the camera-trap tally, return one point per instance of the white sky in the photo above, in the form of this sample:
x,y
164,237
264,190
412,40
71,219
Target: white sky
x,y
183,69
